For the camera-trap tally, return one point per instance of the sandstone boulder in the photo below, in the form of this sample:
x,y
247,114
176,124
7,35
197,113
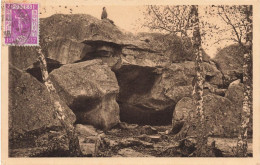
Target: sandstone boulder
x,y
66,51
184,73
79,27
222,117
230,61
89,88
71,43
142,57
63,51
108,52
182,111
22,57
30,105
235,93
148,94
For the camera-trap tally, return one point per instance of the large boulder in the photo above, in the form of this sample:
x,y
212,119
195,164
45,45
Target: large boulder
x,y
176,48
230,61
89,88
66,51
78,38
148,94
79,27
235,93
30,105
62,51
108,52
22,57
222,117
143,57
182,74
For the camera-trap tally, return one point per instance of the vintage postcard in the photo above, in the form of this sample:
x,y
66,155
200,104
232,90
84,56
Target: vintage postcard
x,y
130,82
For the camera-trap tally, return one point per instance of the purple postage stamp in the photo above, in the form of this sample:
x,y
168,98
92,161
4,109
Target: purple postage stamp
x,y
21,24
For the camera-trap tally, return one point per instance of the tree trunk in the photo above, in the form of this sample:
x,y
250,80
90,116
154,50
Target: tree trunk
x,y
198,87
59,110
247,80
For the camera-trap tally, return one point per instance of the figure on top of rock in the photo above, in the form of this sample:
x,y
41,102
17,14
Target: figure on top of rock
x,y
104,13
104,16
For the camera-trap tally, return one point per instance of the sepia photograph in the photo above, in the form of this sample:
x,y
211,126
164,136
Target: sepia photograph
x,y
143,80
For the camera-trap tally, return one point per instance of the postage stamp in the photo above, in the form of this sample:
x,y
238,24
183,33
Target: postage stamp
x,y
21,24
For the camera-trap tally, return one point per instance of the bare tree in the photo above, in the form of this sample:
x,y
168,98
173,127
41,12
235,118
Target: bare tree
x,y
184,21
232,17
74,147
198,87
169,19
238,20
247,80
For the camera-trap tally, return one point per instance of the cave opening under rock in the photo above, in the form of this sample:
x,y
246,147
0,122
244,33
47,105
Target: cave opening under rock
x,y
136,83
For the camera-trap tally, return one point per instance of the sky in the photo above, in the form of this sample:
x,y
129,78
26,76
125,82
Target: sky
x,y
126,17
129,18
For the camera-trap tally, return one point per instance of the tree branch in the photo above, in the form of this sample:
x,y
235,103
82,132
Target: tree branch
x,y
158,17
232,39
230,23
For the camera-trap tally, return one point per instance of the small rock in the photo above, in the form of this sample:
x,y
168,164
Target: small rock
x,y
113,131
90,139
154,138
124,125
129,142
87,148
127,152
148,130
214,151
102,135
167,132
236,82
110,143
85,130
184,148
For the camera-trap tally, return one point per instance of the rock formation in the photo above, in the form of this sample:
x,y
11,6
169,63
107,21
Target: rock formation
x,y
222,117
30,106
230,61
104,75
89,88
